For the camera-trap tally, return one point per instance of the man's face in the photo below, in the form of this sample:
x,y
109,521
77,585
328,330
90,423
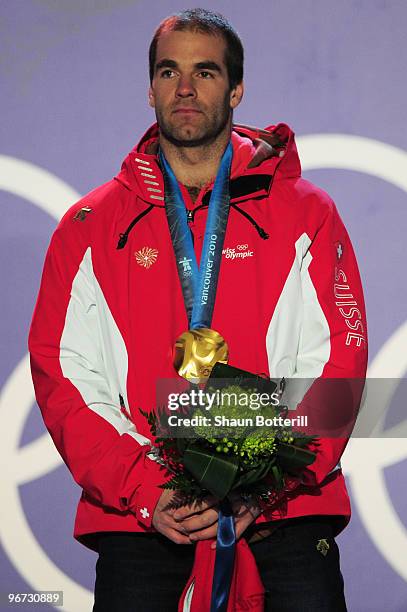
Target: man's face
x,y
190,90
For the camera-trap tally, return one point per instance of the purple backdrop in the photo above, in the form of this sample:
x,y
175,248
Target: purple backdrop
x,y
74,85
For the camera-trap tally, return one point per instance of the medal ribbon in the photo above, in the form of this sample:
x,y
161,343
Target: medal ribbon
x,y
199,291
198,284
225,558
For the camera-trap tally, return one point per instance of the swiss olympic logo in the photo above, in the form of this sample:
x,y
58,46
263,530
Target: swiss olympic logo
x,y
240,251
39,457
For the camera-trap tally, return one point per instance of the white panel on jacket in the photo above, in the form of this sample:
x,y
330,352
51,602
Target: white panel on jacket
x,y
93,354
298,337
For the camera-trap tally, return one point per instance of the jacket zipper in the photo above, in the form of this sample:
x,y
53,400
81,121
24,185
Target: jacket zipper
x,y
190,218
262,232
124,237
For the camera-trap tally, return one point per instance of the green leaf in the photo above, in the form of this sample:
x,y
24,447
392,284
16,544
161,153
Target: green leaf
x,y
278,477
303,441
253,476
292,457
214,472
182,443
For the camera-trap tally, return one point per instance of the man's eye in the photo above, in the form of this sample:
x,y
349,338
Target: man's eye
x,y
167,74
205,74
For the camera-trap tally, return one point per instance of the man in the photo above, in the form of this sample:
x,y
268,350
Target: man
x,y
288,301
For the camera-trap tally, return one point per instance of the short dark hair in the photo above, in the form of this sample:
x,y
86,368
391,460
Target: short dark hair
x,y
207,22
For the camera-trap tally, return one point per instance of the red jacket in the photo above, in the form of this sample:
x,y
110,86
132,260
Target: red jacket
x,y
110,308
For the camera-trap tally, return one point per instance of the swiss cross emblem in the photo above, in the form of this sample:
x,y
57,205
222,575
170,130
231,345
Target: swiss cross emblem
x,y
339,249
144,513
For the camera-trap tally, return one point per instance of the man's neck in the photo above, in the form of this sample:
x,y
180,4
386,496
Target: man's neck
x,y
195,167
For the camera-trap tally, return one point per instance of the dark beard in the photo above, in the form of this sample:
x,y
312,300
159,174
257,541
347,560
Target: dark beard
x,y
207,138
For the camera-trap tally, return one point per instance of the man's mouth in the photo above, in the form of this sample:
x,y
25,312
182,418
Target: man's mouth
x,y
186,111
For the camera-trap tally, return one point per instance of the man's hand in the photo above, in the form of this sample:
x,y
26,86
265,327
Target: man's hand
x,y
204,525
177,523
245,512
199,520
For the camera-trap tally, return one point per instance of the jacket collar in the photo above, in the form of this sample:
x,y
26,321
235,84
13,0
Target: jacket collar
x,y
258,155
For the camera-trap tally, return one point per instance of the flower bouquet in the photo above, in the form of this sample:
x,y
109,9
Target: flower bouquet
x,y
235,451
229,451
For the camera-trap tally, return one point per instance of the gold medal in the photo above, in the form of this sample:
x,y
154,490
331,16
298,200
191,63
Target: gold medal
x,y
196,351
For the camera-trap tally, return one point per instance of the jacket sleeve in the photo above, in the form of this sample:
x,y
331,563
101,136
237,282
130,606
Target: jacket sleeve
x,y
107,457
332,349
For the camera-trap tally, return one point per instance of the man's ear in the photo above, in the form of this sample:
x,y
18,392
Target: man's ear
x,y
236,95
151,99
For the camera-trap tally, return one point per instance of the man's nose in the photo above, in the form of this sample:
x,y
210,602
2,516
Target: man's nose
x,y
185,88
